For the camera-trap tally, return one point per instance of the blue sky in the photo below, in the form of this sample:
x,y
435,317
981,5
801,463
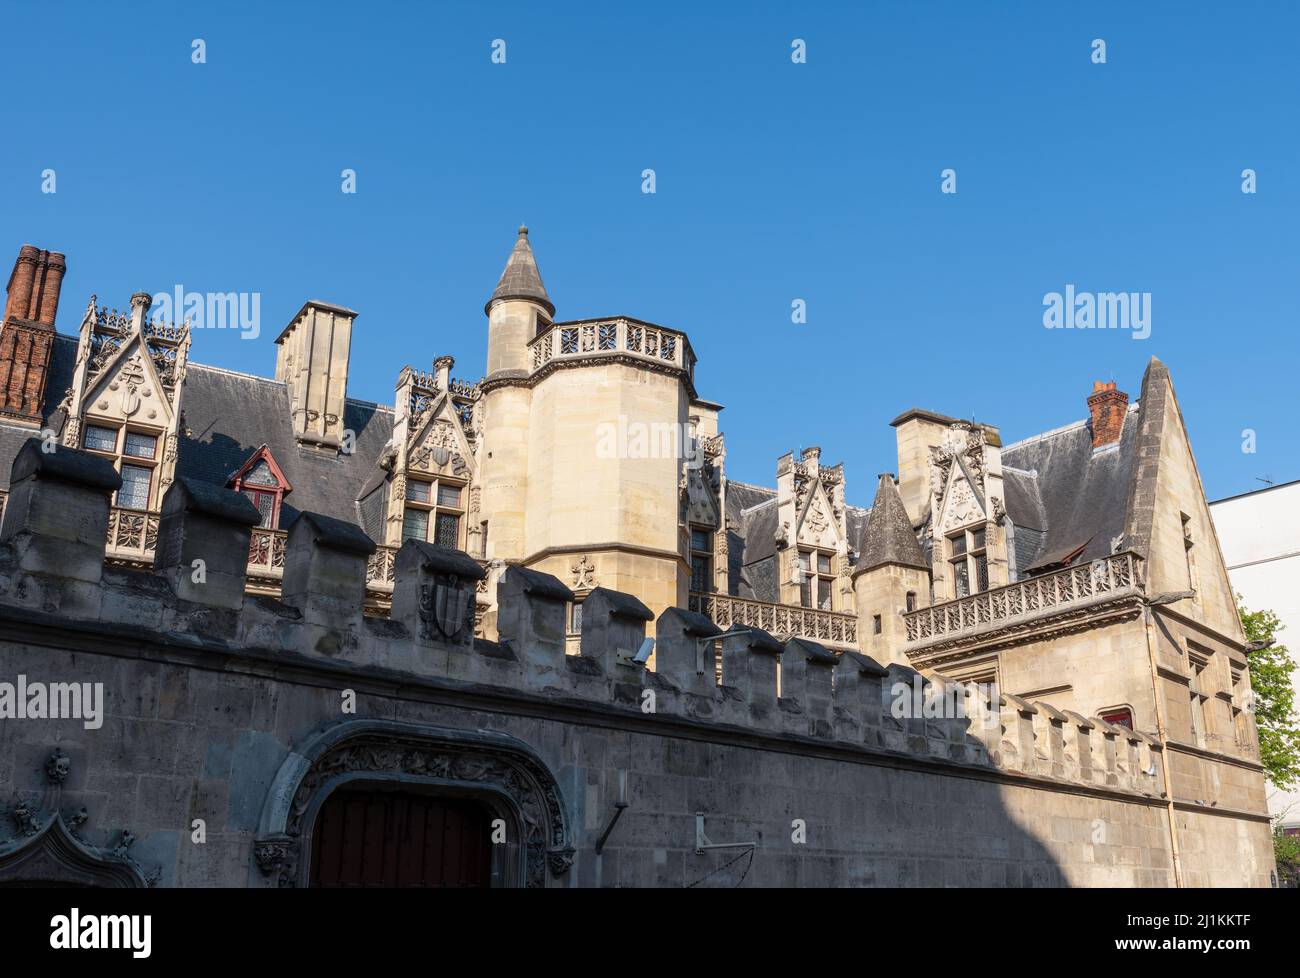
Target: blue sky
x,y
775,181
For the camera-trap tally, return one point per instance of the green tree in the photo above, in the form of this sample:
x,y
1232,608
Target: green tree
x,y
1273,697
1286,850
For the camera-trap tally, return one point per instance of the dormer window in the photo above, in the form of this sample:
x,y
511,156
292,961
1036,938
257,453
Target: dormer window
x,y
262,481
816,581
134,454
433,512
969,561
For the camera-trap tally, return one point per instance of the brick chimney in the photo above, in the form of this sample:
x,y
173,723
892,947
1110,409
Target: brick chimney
x,y
27,333
1108,408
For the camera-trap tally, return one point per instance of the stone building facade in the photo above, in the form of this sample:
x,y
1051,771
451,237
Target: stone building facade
x,y
430,614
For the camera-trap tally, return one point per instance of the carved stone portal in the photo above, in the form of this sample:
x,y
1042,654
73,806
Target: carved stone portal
x,y
502,771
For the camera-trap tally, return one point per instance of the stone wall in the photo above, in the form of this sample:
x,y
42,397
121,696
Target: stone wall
x,y
247,717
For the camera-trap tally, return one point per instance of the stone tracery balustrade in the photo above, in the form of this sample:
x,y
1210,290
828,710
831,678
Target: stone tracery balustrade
x,y
836,629
593,338
132,535
1023,601
266,553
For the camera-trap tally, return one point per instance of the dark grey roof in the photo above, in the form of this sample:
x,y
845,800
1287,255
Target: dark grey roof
x,y
63,357
888,537
1022,498
229,416
521,279
1075,497
750,518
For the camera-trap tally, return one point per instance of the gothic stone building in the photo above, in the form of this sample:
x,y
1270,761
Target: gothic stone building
x,y
324,626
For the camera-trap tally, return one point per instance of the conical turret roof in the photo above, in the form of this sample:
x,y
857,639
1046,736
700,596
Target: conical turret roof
x,y
521,279
888,537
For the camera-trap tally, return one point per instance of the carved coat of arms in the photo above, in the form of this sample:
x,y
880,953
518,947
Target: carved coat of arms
x,y
446,610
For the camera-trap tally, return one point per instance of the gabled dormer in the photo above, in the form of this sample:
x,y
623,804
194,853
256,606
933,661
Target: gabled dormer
x,y
433,493
968,542
262,480
125,398
812,534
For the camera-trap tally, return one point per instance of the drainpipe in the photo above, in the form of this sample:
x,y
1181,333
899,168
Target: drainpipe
x,y
1161,731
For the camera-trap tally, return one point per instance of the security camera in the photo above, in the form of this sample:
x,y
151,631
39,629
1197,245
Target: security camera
x,y
643,653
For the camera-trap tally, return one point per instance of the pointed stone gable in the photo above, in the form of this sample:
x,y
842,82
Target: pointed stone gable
x,y
888,537
521,279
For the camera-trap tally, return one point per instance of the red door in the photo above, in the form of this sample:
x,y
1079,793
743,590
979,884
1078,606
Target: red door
x,y
371,837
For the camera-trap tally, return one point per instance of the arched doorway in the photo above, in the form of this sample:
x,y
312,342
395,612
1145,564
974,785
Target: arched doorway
x,y
497,773
371,835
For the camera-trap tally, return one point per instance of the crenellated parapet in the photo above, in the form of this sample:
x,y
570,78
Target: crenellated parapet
x,y
52,565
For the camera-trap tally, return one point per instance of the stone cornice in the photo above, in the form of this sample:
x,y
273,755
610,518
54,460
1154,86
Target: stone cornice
x,y
1117,608
599,358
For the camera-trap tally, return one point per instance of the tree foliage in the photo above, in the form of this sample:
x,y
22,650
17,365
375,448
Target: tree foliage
x,y
1273,699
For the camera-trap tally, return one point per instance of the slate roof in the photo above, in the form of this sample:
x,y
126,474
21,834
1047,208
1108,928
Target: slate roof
x,y
227,417
887,535
521,279
1069,499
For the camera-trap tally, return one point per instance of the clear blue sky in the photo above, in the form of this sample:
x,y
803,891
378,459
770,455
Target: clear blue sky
x,y
776,181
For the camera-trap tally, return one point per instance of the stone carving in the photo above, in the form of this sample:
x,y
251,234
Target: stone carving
x,y
446,609
963,507
77,820
130,381
783,535
58,767
25,817
584,574
816,519
516,775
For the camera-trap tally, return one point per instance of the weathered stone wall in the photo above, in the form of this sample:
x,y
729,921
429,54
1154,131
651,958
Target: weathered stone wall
x,y
203,738
247,717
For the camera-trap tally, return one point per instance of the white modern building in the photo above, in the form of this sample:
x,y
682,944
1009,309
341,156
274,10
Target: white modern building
x,y
1260,535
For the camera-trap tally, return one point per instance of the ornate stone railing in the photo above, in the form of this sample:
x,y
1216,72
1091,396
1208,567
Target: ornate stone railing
x,y
379,569
132,535
266,553
596,338
835,629
1025,600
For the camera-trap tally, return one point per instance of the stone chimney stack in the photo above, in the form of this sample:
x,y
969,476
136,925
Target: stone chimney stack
x,y
27,334
1108,408
312,361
